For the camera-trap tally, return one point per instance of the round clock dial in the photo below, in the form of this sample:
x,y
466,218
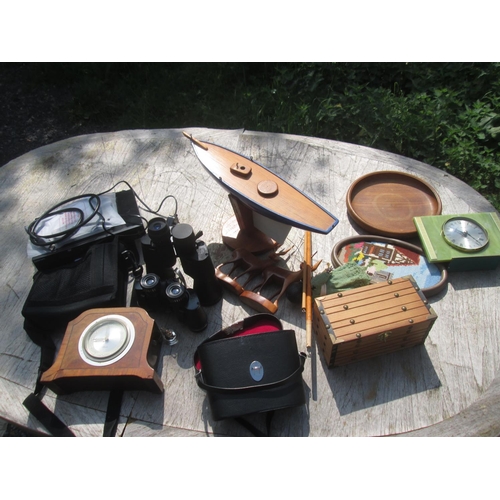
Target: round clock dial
x,y
464,234
106,340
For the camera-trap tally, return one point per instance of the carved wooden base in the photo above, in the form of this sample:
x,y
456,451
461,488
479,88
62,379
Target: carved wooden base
x,y
253,240
258,303
240,231
246,275
229,283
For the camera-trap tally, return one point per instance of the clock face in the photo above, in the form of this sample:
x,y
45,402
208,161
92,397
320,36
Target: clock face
x,y
464,234
106,340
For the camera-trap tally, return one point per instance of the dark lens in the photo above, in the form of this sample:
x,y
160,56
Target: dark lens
x,y
184,239
176,293
158,229
150,281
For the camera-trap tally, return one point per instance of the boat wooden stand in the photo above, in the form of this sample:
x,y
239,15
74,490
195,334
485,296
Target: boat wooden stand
x,y
240,231
253,267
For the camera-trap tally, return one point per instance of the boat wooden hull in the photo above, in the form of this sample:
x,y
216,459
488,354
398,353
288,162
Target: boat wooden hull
x,y
262,190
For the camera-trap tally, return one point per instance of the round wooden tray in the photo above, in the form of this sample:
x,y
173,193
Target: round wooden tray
x,y
386,202
381,254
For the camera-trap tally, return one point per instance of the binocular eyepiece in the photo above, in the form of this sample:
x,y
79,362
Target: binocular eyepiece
x,y
156,295
167,240
196,262
157,249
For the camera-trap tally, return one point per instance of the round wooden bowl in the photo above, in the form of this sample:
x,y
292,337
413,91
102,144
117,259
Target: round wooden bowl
x,y
431,278
386,202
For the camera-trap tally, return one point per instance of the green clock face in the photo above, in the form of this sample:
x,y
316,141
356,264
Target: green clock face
x,y
464,234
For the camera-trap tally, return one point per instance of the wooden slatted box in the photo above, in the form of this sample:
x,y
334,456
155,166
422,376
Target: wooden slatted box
x,y
372,320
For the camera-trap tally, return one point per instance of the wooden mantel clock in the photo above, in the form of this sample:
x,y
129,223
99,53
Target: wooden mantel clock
x,y
107,349
464,241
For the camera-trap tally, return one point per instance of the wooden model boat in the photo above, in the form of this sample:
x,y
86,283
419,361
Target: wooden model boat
x,y
263,191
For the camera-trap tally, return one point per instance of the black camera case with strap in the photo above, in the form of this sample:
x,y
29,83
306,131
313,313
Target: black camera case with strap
x,y
96,279
59,295
253,366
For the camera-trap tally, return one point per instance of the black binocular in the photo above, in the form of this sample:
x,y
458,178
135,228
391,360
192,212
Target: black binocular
x,y
154,294
167,240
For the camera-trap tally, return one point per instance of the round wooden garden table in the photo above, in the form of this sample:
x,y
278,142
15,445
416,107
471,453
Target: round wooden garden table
x,y
448,386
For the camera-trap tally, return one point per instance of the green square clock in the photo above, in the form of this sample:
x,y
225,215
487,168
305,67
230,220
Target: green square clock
x,y
465,241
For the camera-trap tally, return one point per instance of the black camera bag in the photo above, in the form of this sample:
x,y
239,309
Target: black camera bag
x,y
57,296
225,362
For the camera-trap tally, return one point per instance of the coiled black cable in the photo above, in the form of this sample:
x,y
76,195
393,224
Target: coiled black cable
x,y
52,239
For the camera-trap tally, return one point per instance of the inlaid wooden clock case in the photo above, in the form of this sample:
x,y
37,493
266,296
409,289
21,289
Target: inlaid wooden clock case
x,y
136,370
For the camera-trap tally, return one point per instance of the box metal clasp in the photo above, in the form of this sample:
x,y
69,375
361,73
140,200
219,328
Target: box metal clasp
x,y
384,336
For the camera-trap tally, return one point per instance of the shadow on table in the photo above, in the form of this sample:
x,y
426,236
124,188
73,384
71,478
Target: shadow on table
x,y
287,422
467,280
380,380
261,284
89,408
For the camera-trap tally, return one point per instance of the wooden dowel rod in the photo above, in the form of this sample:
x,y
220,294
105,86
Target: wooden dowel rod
x,y
304,287
308,290
307,256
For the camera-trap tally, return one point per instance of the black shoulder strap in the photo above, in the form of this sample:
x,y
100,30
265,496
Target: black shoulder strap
x,y
113,413
47,349
47,346
253,430
57,428
45,416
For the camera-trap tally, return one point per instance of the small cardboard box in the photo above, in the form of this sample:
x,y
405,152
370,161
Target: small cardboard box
x,y
372,320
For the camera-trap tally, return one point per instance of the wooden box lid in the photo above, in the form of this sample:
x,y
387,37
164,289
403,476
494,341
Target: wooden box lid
x,y
373,309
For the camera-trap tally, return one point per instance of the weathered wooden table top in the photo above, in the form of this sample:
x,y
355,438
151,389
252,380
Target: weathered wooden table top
x,y
448,386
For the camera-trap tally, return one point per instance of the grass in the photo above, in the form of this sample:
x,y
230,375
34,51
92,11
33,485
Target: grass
x,y
444,114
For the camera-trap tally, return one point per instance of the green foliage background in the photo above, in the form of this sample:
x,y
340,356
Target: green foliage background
x,y
444,114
